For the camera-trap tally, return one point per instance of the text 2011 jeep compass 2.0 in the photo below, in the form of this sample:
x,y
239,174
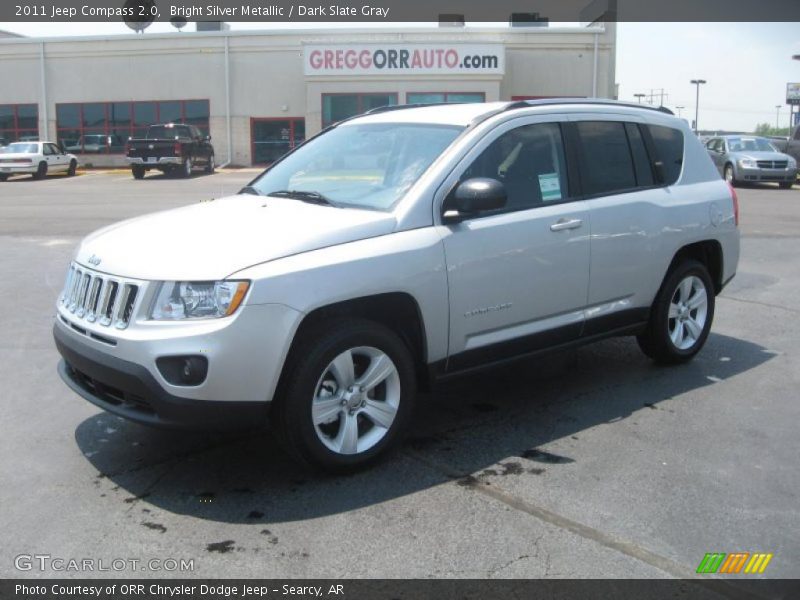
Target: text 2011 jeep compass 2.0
x,y
406,243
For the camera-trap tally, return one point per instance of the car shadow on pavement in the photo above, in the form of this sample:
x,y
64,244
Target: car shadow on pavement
x,y
497,422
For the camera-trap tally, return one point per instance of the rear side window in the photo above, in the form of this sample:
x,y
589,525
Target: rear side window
x,y
607,165
641,162
668,144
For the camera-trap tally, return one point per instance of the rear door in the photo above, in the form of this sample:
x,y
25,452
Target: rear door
x,y
620,187
518,277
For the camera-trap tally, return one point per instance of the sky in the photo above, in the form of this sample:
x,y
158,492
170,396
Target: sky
x,y
746,65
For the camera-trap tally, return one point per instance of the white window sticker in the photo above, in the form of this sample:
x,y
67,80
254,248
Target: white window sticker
x,y
550,187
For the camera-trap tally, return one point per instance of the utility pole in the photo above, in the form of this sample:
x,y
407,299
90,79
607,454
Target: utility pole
x,y
698,83
680,108
639,97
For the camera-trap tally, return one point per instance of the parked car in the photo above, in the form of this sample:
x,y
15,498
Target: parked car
x,y
332,287
170,147
743,158
94,143
35,158
790,145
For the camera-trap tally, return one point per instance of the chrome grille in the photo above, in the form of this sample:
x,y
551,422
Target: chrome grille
x,y
99,297
772,164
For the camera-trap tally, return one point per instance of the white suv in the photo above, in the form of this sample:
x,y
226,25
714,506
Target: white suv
x,y
410,243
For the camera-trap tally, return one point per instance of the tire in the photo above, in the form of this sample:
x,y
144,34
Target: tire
x,y
786,185
211,166
3,177
320,401
41,171
681,316
138,172
73,167
187,167
729,175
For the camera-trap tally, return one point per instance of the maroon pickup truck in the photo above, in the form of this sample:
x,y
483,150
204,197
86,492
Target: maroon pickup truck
x,y
170,148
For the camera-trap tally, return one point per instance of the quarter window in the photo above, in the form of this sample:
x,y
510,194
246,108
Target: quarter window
x,y
529,161
669,148
641,162
607,165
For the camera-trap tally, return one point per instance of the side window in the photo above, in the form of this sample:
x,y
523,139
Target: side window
x,y
53,149
641,162
607,165
669,148
47,150
529,160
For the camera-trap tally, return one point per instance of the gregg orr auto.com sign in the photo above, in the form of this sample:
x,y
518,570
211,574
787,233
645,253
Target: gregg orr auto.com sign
x,y
404,59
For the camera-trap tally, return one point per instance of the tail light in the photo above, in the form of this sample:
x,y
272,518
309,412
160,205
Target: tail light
x,y
735,199
177,149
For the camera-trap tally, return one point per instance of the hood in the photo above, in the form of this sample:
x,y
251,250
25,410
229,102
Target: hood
x,y
211,240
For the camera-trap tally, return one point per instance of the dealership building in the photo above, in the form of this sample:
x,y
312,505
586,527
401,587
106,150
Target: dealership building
x,y
259,93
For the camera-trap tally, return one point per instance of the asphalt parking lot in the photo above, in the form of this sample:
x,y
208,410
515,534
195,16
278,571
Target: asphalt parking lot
x,y
594,463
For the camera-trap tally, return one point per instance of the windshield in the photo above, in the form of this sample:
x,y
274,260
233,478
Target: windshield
x,y
752,144
20,148
365,166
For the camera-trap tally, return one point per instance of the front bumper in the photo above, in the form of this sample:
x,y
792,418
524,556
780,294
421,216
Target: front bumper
x,y
775,175
129,390
155,162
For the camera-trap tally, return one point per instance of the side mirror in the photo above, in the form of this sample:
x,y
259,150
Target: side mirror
x,y
473,196
207,138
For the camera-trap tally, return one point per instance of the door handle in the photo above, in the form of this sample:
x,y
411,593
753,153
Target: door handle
x,y
565,223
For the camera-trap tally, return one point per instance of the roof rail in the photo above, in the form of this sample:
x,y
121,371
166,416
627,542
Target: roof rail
x,y
601,101
393,107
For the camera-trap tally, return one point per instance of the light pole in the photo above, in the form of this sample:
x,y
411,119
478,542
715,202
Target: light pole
x,y
639,97
777,117
698,83
680,108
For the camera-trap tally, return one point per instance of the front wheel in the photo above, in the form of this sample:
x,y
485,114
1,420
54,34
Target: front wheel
x,y
730,177
211,165
347,396
3,177
681,315
786,185
73,167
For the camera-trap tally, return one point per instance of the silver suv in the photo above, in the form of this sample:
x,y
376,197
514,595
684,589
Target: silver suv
x,y
404,245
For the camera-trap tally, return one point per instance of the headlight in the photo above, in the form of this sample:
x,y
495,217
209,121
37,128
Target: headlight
x,y
792,163
197,299
747,163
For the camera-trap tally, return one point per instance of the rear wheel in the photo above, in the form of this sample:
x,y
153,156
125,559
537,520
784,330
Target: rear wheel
x,y
786,185
681,315
41,171
347,395
187,167
138,172
73,167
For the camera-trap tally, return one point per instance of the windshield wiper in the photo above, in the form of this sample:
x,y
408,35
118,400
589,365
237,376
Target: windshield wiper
x,y
312,197
249,189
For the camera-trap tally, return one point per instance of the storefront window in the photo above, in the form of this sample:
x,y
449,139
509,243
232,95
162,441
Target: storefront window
x,y
104,127
434,97
18,122
336,107
272,138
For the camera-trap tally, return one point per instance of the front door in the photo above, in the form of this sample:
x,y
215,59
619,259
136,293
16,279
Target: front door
x,y
518,277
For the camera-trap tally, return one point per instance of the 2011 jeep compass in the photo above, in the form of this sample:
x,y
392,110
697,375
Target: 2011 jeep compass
x,y
406,243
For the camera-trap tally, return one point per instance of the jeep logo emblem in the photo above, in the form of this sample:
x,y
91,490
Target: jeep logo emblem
x,y
94,260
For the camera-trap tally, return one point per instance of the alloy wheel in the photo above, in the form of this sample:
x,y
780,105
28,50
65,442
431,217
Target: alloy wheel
x,y
688,311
